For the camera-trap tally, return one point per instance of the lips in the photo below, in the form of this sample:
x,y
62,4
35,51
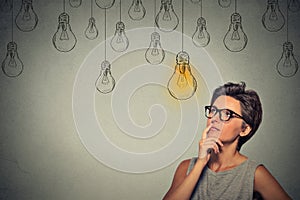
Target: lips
x,y
214,129
214,132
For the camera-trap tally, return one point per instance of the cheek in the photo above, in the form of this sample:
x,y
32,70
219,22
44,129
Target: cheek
x,y
230,131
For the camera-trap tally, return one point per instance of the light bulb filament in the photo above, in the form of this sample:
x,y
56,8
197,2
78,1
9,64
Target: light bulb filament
x,y
154,52
64,35
201,34
182,69
182,81
119,38
12,63
105,79
167,16
235,35
137,7
92,28
273,15
26,16
287,61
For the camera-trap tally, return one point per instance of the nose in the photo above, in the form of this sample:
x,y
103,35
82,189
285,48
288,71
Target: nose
x,y
215,118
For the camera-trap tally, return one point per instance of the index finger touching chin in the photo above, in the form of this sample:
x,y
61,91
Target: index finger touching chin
x,y
206,130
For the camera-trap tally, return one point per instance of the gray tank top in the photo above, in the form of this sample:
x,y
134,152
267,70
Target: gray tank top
x,y
236,183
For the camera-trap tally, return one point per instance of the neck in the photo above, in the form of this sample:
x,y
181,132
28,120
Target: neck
x,y
228,158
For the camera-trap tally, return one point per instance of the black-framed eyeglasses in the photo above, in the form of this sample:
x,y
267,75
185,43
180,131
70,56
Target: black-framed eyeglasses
x,y
224,114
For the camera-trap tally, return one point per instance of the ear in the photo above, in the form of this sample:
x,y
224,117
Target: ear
x,y
245,130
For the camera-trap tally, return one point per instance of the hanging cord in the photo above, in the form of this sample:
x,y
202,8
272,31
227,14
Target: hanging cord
x,y
64,5
154,13
235,6
105,33
287,21
120,11
201,8
182,22
12,21
91,8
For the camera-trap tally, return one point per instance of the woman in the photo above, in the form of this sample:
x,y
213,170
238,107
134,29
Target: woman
x,y
220,171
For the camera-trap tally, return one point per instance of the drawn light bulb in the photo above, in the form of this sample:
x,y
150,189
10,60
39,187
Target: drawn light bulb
x,y
75,3
201,37
26,19
155,54
287,66
6,5
64,39
120,41
235,39
294,5
182,85
166,19
105,83
137,11
12,66
224,3
91,32
273,19
105,4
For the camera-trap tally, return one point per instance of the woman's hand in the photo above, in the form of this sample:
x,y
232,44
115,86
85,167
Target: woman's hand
x,y
183,184
207,145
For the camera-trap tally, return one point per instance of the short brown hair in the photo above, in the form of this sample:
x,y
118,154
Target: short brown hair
x,y
250,105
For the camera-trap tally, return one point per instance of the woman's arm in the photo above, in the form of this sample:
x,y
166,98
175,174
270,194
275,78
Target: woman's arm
x,y
267,185
183,184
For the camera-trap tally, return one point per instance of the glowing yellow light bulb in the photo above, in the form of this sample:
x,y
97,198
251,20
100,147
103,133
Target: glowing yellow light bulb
x,y
182,85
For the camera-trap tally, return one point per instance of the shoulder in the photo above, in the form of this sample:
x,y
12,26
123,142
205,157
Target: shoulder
x,y
262,175
183,166
181,171
185,163
267,185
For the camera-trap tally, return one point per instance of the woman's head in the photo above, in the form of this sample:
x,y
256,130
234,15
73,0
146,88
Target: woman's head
x,y
251,109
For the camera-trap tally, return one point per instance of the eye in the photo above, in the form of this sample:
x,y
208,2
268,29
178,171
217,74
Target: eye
x,y
213,110
226,113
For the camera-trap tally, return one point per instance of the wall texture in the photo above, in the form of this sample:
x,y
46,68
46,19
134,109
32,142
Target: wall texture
x,y
50,147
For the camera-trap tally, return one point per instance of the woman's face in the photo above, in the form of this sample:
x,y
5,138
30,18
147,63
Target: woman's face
x,y
227,131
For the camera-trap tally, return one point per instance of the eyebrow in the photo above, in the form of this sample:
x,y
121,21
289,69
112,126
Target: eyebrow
x,y
226,109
